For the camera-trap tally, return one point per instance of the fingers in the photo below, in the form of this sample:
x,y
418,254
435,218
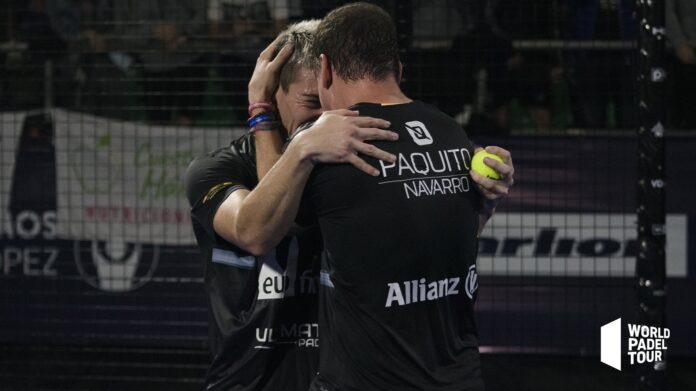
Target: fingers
x,y
500,189
267,53
369,122
371,150
490,188
281,58
362,122
362,165
362,128
343,112
501,168
503,153
481,180
374,134
507,169
476,178
333,119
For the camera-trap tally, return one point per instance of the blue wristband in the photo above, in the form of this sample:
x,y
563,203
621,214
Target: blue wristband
x,y
253,121
267,125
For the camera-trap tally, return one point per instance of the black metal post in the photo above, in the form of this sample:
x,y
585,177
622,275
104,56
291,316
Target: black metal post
x,y
650,263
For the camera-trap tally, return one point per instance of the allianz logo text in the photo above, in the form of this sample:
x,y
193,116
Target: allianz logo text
x,y
420,290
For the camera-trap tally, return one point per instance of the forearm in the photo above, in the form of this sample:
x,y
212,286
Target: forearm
x,y
483,219
269,148
485,213
270,209
262,87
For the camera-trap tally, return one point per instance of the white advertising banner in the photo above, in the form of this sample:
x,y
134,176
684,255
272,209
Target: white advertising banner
x,y
10,130
572,245
123,181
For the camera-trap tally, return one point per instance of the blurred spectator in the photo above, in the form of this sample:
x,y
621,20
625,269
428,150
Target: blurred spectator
x,y
681,31
480,68
10,56
69,19
27,80
530,75
490,65
604,78
435,71
243,28
104,63
175,69
91,77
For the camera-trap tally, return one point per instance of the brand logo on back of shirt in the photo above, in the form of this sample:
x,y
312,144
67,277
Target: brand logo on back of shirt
x,y
419,133
414,291
421,290
298,334
276,282
471,282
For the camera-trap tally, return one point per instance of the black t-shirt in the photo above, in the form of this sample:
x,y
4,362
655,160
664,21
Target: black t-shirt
x,y
398,280
264,331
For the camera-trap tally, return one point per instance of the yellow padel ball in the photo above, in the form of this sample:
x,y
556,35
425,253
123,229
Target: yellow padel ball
x,y
481,168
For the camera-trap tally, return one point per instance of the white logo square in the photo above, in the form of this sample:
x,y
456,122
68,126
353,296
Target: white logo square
x,y
419,133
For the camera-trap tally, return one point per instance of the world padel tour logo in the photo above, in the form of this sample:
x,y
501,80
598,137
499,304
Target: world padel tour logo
x,y
116,266
646,344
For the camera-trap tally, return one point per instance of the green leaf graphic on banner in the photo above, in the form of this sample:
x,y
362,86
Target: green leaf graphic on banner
x,y
162,178
104,141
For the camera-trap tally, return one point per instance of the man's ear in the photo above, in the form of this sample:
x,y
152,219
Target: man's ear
x,y
325,72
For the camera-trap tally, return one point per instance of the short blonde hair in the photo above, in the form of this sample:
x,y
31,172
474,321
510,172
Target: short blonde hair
x,y
301,36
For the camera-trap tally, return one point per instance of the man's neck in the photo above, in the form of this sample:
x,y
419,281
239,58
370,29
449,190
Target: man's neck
x,y
368,91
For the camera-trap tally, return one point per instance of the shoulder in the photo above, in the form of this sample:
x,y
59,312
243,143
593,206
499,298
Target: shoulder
x,y
239,153
233,165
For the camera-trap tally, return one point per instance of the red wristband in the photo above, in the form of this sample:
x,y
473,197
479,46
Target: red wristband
x,y
268,106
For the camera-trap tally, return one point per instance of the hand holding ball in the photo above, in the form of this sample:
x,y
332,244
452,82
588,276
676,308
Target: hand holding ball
x,y
481,168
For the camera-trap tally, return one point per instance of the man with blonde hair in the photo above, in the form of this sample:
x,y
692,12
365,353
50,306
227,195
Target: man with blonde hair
x,y
262,283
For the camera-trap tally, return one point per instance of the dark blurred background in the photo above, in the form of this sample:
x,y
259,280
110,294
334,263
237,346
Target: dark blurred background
x,y
496,65
100,282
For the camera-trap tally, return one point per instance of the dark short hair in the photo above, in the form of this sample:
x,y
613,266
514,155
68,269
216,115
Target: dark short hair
x,y
360,41
301,36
